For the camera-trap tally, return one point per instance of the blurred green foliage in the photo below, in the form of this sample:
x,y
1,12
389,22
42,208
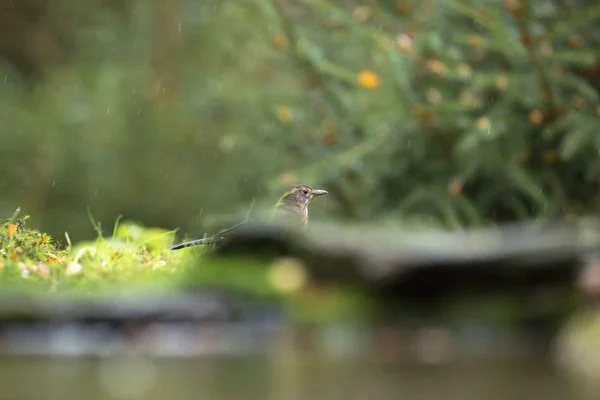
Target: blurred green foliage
x,y
447,112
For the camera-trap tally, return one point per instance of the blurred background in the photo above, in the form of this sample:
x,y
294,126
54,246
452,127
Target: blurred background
x,y
449,113
174,113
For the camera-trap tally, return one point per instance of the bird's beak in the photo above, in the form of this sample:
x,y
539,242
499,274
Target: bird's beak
x,y
319,192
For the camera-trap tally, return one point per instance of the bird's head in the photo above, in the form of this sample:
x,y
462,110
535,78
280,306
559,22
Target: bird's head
x,y
301,196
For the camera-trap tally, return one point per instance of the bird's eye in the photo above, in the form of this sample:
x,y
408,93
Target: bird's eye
x,y
305,191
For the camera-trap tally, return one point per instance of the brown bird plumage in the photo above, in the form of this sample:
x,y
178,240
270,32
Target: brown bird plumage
x,y
291,207
294,203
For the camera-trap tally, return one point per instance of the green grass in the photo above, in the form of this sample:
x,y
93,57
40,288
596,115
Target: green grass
x,y
133,255
138,257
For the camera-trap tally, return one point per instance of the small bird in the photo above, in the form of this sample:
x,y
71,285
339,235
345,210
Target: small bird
x,y
292,207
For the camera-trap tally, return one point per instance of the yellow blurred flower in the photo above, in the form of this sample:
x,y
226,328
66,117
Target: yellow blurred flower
x,y
455,187
11,230
483,123
404,43
54,259
368,79
536,117
284,114
469,98
436,66
502,82
464,70
280,41
362,13
474,40
433,95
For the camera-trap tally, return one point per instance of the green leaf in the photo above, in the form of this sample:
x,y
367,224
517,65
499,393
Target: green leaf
x,y
421,195
580,86
526,182
473,138
469,210
578,58
573,142
505,38
450,214
560,126
577,19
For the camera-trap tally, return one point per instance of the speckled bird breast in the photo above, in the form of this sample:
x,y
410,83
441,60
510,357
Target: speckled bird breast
x,y
293,213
